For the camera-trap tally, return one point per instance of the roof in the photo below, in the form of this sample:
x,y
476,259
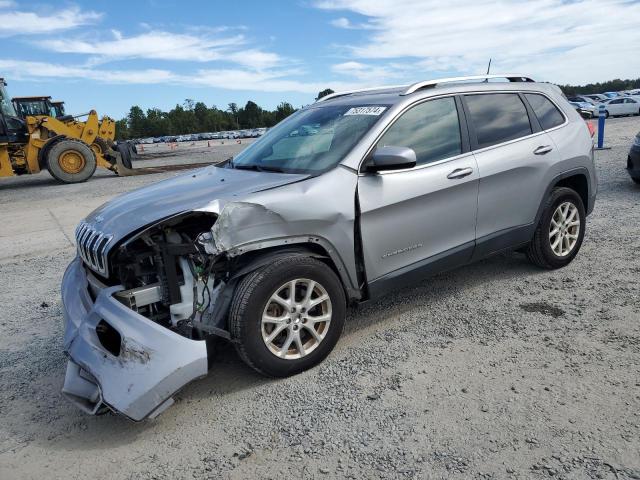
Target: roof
x,y
31,98
389,95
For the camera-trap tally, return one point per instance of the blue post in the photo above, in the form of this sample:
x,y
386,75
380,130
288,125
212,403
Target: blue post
x,y
601,118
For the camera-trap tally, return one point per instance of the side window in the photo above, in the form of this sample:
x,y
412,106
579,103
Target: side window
x,y
548,114
498,117
431,129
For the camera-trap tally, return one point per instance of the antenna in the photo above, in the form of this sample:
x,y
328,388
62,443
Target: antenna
x,y
489,67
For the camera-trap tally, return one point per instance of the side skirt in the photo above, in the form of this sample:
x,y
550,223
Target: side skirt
x,y
418,271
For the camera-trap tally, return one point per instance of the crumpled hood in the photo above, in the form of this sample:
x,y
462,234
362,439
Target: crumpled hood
x,y
144,206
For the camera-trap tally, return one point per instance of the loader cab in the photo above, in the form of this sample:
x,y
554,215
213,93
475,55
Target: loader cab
x,y
33,106
12,127
58,109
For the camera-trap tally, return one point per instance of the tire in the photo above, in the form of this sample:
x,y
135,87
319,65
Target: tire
x,y
540,251
252,299
636,180
606,114
125,153
100,145
71,161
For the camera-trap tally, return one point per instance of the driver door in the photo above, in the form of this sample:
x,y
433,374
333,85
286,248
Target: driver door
x,y
417,221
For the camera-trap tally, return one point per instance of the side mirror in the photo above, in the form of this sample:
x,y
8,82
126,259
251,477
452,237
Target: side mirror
x,y
391,158
584,114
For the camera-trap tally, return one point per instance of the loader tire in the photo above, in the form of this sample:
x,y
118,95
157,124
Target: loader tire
x,y
125,154
100,146
71,161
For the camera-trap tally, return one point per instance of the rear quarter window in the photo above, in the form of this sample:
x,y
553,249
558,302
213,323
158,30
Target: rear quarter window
x,y
498,117
548,114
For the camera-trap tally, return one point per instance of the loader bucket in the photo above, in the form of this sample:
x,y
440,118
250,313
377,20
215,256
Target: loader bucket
x,y
125,153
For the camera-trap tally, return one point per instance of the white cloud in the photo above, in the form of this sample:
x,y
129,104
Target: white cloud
x,y
577,42
16,22
366,72
343,22
25,70
229,79
156,45
204,45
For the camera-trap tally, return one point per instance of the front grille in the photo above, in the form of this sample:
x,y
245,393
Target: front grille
x,y
92,247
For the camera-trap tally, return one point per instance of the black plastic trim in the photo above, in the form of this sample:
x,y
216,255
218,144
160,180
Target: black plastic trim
x,y
506,239
562,176
418,271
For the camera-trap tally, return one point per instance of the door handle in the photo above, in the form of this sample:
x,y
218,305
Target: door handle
x,y
460,173
543,149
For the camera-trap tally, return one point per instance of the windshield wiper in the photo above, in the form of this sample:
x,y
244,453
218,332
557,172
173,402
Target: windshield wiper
x,y
258,168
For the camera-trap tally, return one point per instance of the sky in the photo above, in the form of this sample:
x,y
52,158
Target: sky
x,y
111,54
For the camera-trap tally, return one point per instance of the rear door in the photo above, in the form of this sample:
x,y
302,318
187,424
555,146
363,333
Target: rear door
x,y
414,217
513,154
632,106
616,107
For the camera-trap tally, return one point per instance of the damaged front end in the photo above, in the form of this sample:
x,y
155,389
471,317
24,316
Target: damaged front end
x,y
136,322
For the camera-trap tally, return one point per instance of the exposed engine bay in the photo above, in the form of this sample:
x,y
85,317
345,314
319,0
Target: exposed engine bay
x,y
170,277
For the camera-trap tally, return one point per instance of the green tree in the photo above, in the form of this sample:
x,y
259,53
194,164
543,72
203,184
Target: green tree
x,y
283,110
136,121
324,93
233,109
250,116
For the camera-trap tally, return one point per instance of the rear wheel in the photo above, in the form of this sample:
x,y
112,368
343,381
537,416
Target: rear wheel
x,y
560,232
71,161
100,146
287,316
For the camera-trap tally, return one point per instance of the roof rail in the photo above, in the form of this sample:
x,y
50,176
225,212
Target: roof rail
x,y
349,92
512,77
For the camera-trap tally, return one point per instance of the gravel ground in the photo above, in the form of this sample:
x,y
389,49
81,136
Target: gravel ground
x,y
496,370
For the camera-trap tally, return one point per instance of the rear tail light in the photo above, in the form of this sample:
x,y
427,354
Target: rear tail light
x,y
592,128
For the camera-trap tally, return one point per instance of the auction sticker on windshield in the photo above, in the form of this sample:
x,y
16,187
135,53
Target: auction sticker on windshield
x,y
365,111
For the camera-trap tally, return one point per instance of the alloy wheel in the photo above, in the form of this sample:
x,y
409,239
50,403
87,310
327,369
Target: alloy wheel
x,y
296,318
564,229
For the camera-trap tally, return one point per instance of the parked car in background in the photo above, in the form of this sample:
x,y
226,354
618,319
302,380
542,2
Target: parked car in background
x,y
597,97
267,249
621,106
582,99
633,160
586,109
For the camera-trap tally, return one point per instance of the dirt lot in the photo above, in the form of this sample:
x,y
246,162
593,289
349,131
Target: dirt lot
x,y
497,370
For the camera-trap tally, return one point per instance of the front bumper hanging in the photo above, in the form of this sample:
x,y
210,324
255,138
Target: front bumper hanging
x,y
138,375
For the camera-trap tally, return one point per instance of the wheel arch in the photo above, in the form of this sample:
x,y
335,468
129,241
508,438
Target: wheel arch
x,y
577,179
249,257
44,151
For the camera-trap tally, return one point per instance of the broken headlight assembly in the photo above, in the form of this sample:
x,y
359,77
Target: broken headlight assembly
x,y
170,275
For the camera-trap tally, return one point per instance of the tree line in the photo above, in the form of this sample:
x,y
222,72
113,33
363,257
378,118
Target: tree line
x,y
196,117
616,85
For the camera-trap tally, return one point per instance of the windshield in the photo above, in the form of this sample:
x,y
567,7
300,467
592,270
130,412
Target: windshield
x,y
5,104
310,141
33,107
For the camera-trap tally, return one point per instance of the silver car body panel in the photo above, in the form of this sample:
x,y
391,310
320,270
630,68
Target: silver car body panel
x,y
434,214
375,228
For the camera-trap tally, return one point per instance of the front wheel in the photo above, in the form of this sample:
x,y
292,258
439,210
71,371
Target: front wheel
x,y
560,232
71,161
287,316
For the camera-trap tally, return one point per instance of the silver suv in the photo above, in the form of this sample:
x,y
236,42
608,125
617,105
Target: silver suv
x,y
349,198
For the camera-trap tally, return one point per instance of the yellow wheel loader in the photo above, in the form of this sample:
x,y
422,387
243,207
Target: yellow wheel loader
x,y
44,106
68,150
